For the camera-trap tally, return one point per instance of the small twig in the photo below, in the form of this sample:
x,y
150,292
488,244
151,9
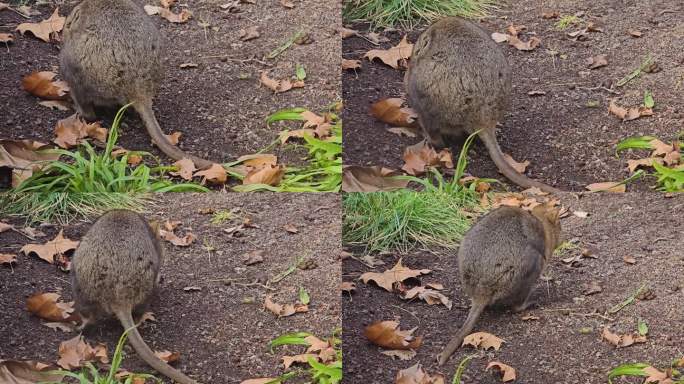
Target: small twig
x,y
407,311
234,282
600,87
362,262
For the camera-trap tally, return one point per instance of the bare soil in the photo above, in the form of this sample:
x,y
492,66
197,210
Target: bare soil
x,y
218,106
221,330
568,143
551,349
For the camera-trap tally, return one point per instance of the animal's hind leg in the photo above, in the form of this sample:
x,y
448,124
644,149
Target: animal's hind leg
x,y
85,108
433,134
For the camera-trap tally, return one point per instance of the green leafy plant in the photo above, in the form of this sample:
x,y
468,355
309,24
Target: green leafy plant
x,y
88,183
640,370
91,375
323,169
566,21
403,219
668,179
408,13
319,373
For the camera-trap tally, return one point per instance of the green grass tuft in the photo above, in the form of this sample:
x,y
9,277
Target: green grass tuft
x,y
88,183
403,219
408,13
566,21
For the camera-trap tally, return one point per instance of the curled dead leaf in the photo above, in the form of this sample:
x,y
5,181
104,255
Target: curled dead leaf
x,y
608,186
7,259
370,179
621,341
215,174
416,375
24,157
391,112
268,174
72,130
279,86
388,335
284,310
483,340
167,14
395,57
520,45
74,352
388,278
347,64
6,38
44,29
507,372
167,356
185,168
44,85
27,371
55,247
48,307
419,157
428,295
597,61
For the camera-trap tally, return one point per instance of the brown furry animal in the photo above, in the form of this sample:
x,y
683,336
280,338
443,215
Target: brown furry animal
x,y
115,271
459,82
500,259
111,56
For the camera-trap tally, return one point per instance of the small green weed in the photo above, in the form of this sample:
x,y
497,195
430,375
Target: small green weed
x,y
566,21
319,373
88,183
648,61
91,375
640,370
408,13
461,367
324,170
668,179
403,219
220,217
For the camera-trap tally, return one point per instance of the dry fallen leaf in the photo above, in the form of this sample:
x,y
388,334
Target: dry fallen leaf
x,y
483,340
507,372
370,179
133,158
43,85
185,168
253,257
6,258
74,352
55,247
395,57
519,167
6,38
175,240
416,375
347,286
628,114
629,260
48,307
388,335
597,61
250,33
419,157
347,64
23,157
303,358
45,28
167,356
59,105
608,186
520,45
391,112
634,33
430,296
346,32
268,174
72,130
216,174
283,310
500,37
181,17
27,372
397,274
279,86
400,354
265,380
620,341
173,138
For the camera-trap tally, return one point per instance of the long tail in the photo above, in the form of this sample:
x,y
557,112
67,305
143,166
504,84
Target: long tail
x,y
146,353
488,136
456,341
145,111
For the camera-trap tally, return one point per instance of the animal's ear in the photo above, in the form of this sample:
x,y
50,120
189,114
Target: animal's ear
x,y
154,224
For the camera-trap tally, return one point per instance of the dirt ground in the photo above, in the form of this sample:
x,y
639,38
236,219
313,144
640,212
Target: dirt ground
x,y
218,106
550,349
568,143
221,330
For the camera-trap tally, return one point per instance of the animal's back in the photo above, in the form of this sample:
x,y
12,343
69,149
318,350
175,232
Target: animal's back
x,y
501,254
458,75
114,49
117,262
